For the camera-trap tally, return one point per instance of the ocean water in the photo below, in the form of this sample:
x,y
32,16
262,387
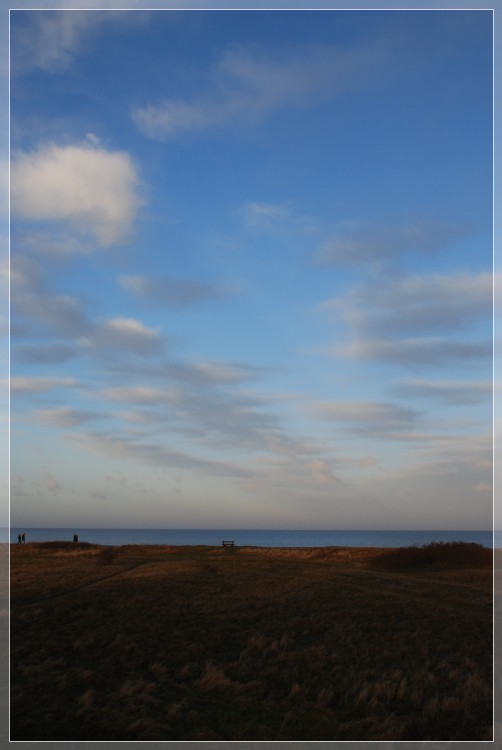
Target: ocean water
x,y
255,538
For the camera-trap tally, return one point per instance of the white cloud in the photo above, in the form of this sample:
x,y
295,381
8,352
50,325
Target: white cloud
x,y
127,334
93,189
128,327
32,384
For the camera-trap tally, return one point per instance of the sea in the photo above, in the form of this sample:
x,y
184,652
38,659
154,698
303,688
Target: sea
x,y
256,537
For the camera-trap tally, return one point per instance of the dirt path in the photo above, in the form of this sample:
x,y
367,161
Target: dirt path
x,y
73,589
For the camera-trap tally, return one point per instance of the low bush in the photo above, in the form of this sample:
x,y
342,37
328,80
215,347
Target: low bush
x,y
454,554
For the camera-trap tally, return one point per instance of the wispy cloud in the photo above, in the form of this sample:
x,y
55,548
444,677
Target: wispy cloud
x,y
224,419
126,334
156,454
34,384
65,324
322,474
259,215
248,84
49,482
205,400
34,309
137,395
170,292
66,416
4,187
415,320
221,372
368,417
51,40
356,243
292,465
48,40
449,480
43,354
456,392
93,189
413,352
416,304
484,488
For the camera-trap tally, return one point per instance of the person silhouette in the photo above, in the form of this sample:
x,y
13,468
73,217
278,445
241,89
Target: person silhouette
x,y
19,538
23,538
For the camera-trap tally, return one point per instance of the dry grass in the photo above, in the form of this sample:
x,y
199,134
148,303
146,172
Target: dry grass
x,y
197,643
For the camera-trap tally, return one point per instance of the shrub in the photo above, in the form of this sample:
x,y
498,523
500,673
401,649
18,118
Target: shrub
x,y
456,554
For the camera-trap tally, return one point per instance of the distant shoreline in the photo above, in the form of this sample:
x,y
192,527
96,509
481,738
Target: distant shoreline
x,y
258,537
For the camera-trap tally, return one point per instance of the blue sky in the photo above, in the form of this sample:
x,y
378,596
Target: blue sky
x,y
251,269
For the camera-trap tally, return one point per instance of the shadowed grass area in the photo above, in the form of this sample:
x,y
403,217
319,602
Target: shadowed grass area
x,y
203,643
463,554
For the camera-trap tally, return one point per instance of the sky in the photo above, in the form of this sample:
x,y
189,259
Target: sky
x,y
251,269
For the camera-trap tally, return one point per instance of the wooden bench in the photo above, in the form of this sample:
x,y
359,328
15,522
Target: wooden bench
x,y
227,543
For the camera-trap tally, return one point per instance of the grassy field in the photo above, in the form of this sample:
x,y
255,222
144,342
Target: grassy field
x,y
203,643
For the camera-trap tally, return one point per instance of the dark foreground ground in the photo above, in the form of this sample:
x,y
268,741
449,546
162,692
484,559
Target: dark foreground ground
x,y
200,643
